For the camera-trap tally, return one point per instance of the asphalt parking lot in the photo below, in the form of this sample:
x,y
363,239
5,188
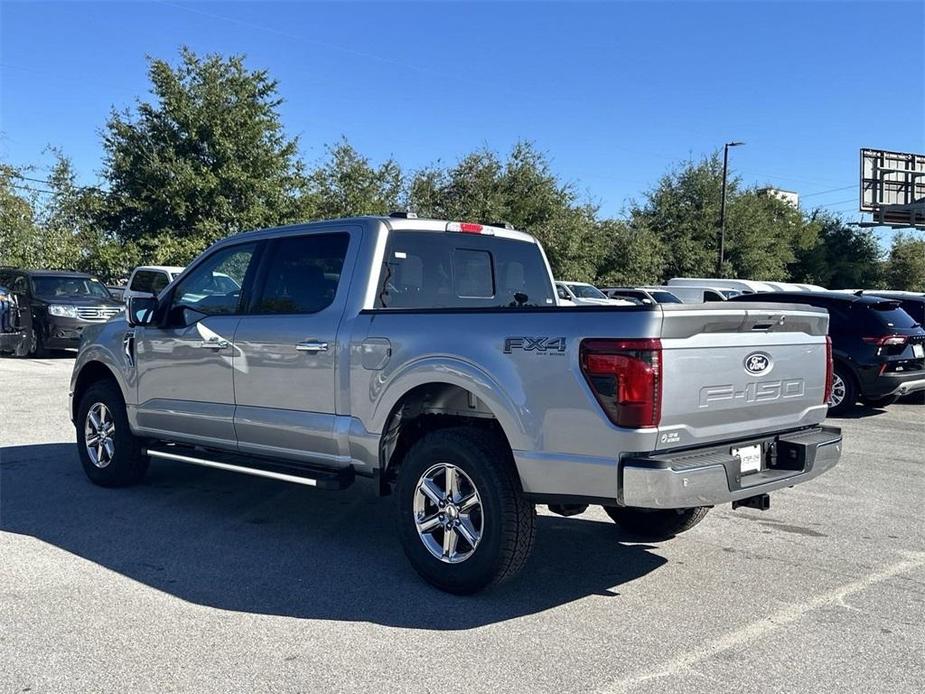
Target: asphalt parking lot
x,y
199,580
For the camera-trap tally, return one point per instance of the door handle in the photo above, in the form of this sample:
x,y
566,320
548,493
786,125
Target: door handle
x,y
312,346
215,343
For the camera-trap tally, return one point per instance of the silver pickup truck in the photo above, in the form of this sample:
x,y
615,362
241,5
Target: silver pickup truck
x,y
432,357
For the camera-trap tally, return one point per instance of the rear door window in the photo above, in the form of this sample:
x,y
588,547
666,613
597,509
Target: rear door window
x,y
303,273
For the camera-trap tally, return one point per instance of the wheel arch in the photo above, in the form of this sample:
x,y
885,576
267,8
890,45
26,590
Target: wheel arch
x,y
426,406
91,372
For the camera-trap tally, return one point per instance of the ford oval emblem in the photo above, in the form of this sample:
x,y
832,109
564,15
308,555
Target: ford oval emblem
x,y
758,363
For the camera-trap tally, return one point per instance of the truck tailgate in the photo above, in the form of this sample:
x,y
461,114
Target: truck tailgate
x,y
731,371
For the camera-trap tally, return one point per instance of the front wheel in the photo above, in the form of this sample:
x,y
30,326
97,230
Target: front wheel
x,y
656,524
110,454
463,520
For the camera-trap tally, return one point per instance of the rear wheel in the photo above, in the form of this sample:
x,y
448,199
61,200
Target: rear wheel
x,y
110,454
463,520
656,524
844,391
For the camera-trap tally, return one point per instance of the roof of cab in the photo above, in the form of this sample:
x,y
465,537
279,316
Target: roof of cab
x,y
393,223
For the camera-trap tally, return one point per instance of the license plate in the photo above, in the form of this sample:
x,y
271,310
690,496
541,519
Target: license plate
x,y
749,458
918,351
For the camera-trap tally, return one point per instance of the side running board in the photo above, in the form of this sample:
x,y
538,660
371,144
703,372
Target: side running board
x,y
286,472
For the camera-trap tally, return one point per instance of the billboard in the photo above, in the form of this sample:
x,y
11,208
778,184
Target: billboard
x,y
893,187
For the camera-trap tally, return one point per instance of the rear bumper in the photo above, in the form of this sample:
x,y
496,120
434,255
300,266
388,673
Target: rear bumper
x,y
710,476
880,385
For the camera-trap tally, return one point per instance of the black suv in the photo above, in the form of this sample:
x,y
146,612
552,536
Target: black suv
x,y
55,307
878,348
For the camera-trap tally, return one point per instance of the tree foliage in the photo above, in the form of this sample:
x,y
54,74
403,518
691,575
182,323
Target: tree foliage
x,y
346,184
905,267
205,158
840,256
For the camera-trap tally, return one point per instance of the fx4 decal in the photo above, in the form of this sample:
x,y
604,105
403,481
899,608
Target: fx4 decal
x,y
542,345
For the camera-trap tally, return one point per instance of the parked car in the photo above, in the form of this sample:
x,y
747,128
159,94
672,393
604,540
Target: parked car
x,y
117,291
150,279
879,349
55,307
584,294
642,295
12,337
700,295
743,286
431,357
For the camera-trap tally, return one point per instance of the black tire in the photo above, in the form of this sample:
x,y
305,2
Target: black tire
x,y
126,464
851,391
507,519
36,345
656,524
880,402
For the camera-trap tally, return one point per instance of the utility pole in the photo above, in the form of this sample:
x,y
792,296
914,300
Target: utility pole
x,y
722,209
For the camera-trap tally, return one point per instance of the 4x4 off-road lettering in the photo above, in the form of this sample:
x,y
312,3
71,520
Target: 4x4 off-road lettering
x,y
534,344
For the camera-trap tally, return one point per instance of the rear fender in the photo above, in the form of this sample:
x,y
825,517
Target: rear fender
x,y
516,422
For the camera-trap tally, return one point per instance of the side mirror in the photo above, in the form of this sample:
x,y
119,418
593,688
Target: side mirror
x,y
140,310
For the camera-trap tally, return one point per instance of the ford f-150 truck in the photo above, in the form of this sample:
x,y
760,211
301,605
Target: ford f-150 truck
x,y
431,357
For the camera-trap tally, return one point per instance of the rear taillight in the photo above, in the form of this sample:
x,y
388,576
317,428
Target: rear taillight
x,y
886,340
829,370
626,378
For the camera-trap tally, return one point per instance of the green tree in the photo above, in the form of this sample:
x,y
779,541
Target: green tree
x,y
347,185
763,234
840,257
683,212
205,158
521,190
19,236
905,267
633,256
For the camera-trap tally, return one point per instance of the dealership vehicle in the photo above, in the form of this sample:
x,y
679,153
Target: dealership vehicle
x,y
55,307
150,279
642,295
12,337
700,295
878,348
431,357
584,294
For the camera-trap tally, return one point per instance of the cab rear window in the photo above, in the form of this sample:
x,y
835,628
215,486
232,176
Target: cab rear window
x,y
427,270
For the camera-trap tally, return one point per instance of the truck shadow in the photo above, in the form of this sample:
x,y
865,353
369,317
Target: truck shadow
x,y
259,546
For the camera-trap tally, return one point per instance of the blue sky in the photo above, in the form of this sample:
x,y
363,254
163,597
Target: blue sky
x,y
615,92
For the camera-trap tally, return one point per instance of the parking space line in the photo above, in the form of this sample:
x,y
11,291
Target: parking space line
x,y
756,630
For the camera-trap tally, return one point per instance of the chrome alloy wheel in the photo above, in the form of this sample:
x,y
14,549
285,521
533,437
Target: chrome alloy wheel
x,y
448,513
98,435
838,391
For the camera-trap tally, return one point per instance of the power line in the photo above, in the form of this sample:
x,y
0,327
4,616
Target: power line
x,y
830,190
31,189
